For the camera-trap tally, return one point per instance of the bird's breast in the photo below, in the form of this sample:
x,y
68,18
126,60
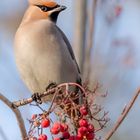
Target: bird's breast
x,y
42,57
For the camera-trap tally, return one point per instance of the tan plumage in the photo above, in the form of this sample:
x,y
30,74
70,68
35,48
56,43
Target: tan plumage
x,y
43,53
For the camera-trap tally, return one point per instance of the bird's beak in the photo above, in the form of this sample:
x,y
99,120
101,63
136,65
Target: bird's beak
x,y
59,8
62,7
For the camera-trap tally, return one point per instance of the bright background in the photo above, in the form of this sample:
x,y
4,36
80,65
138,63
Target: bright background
x,y
115,61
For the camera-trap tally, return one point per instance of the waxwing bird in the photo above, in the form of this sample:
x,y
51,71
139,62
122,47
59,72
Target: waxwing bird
x,y
42,51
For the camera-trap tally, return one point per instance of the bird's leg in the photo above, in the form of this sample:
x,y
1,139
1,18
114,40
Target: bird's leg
x,y
51,85
36,97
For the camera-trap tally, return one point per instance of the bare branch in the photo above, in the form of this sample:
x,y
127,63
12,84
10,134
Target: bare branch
x,y
90,36
80,31
30,100
17,114
48,92
122,116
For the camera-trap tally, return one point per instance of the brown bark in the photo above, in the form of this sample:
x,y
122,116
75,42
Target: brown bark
x,y
17,114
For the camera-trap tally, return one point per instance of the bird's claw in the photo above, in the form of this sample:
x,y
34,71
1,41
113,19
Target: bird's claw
x,y
51,85
36,97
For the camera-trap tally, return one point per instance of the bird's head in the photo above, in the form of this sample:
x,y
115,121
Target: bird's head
x,y
45,9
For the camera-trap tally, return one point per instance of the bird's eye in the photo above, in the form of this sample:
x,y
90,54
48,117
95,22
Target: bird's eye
x,y
44,8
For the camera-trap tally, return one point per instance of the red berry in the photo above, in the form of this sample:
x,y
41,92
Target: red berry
x,y
83,122
75,138
72,138
63,127
34,116
82,131
54,131
66,135
45,123
90,136
90,128
42,137
56,128
79,135
56,139
79,138
57,125
83,110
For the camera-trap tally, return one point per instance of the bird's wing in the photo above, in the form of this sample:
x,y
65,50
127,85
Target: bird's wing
x,y
79,80
69,48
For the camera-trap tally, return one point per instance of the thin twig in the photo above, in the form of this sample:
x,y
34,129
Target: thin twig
x,y
122,116
52,102
17,114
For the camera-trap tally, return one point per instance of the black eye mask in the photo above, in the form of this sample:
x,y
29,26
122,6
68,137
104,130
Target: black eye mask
x,y
45,8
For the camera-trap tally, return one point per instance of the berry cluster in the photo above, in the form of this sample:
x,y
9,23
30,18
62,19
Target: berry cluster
x,y
75,121
85,130
43,122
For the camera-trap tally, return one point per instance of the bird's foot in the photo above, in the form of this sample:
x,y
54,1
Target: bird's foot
x,y
36,97
51,85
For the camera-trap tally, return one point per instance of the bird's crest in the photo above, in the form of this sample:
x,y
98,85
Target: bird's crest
x,y
48,3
